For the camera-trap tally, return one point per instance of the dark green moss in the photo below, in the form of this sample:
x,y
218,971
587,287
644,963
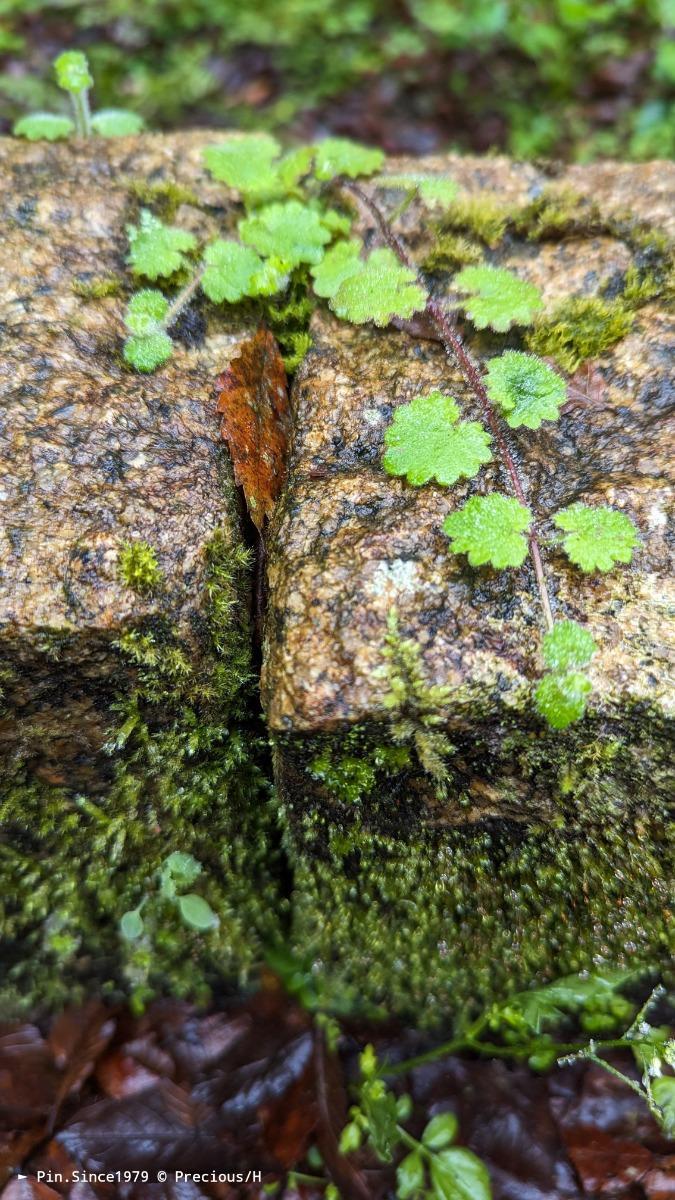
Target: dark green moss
x,y
451,251
185,757
579,329
164,197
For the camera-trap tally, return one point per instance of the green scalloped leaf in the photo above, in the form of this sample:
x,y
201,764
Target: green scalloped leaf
x,y
561,699
340,156
246,163
426,440
596,538
567,645
145,312
116,122
498,297
380,290
72,71
147,352
289,231
490,529
338,263
525,389
43,126
156,249
229,271
435,190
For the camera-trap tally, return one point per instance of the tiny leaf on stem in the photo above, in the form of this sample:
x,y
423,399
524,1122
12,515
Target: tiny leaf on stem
x,y
339,156
490,529
116,122
43,126
426,440
196,912
567,645
145,311
72,71
381,289
155,249
596,538
525,389
440,1131
498,298
561,699
458,1174
230,268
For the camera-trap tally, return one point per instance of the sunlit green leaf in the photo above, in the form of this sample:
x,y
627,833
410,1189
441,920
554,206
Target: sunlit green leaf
x,y
131,925
229,271
426,440
490,529
290,231
337,264
561,699
525,389
381,289
498,298
145,311
339,156
156,249
596,538
43,126
116,122
245,162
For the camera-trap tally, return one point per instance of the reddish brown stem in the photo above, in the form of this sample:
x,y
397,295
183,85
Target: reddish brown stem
x,y
455,348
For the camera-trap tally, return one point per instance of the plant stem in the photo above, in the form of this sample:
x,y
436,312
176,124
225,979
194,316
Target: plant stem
x,y
184,296
464,1045
455,348
82,113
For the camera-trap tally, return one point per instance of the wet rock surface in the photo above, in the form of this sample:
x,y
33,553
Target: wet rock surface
x,y
94,455
351,543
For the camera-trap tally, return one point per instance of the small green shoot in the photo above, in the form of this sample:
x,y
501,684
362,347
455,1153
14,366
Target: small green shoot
x,y
74,77
155,249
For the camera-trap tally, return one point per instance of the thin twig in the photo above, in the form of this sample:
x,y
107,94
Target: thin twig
x,y
455,348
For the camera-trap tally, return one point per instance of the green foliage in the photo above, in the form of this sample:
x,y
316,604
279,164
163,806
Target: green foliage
x,y
426,440
498,298
150,345
381,289
490,529
339,156
432,1166
561,699
72,71
340,262
229,271
155,249
148,352
145,311
177,872
480,215
138,567
291,231
525,389
580,329
596,538
245,163
567,645
43,126
116,122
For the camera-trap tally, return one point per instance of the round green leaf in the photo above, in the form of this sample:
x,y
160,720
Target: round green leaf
x,y
245,163
381,289
596,538
145,311
156,249
561,699
289,231
131,925
410,1176
196,912
72,71
458,1174
145,353
426,440
116,122
567,645
441,1131
337,264
490,529
340,156
43,126
229,270
525,389
498,297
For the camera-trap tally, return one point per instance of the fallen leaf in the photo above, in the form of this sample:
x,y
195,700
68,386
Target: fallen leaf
x,y
659,1183
607,1166
77,1039
28,1188
253,398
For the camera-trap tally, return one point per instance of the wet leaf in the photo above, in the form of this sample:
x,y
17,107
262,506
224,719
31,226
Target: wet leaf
x,y
253,399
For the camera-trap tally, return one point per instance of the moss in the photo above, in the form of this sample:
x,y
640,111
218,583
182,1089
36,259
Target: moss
x,y
289,316
451,251
579,329
435,922
139,568
185,762
353,775
164,197
480,216
98,289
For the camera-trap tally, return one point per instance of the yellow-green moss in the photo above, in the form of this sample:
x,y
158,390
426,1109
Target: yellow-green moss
x,y
579,329
138,567
164,197
98,289
481,216
451,251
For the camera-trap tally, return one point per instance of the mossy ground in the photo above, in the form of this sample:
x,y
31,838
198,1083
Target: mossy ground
x,y
432,922
186,775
